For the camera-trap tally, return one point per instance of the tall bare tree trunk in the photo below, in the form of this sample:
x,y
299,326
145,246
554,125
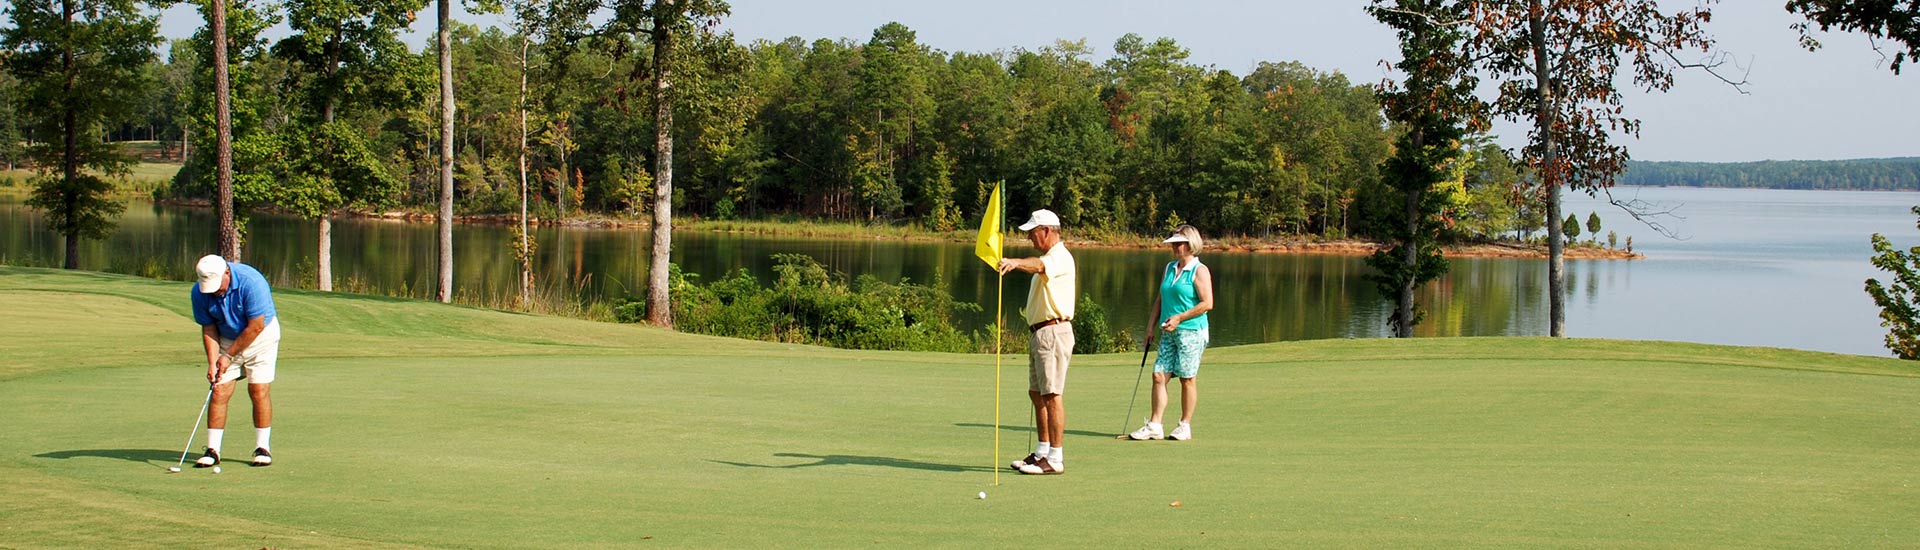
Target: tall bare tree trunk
x,y
1543,120
326,253
566,176
326,226
446,151
70,137
1410,257
526,260
223,135
659,308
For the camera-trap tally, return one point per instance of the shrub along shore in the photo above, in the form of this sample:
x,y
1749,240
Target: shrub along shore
x,y
801,227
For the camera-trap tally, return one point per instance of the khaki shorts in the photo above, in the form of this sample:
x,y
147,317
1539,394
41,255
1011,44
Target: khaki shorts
x,y
1047,357
256,362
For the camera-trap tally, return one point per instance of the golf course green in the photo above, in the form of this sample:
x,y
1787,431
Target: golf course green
x,y
408,423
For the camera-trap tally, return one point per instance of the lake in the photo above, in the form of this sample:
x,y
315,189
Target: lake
x,y
1747,267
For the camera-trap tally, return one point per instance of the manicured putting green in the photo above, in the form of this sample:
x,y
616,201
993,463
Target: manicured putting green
x,y
419,424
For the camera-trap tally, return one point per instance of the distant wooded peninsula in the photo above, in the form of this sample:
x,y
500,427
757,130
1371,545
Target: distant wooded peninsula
x,y
1884,174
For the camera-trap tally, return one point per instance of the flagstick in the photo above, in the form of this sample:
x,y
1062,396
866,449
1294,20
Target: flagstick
x,y
999,303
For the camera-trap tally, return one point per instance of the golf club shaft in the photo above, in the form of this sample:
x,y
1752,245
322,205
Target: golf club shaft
x,y
1136,379
196,426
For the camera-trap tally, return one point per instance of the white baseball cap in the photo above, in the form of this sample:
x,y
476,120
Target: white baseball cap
x,y
210,268
1041,217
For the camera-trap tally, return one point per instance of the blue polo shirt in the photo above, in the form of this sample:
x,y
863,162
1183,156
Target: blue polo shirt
x,y
249,297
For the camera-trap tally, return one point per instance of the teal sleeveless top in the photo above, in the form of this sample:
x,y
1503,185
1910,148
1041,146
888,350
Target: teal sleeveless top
x,y
1179,294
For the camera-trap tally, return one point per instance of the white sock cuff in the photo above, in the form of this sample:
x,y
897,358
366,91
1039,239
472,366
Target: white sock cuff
x,y
214,435
261,437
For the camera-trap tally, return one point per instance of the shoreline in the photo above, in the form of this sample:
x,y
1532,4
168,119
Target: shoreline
x,y
849,230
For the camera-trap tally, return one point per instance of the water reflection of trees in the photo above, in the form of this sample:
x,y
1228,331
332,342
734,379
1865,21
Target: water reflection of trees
x,y
1262,297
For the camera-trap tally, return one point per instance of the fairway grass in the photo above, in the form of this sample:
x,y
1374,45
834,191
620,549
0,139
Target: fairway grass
x,y
406,423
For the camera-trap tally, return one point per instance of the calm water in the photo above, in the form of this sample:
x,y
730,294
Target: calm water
x,y
1771,268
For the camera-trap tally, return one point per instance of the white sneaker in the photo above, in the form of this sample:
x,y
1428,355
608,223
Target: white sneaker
x,y
1182,432
1149,431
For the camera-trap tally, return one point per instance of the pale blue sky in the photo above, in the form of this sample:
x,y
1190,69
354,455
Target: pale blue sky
x,y
1840,102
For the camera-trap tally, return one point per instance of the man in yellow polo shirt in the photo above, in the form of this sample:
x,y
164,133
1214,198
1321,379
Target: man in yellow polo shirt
x,y
1049,314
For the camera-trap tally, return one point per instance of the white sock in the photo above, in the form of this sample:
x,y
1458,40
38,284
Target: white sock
x,y
213,438
1155,425
260,437
1057,457
1044,449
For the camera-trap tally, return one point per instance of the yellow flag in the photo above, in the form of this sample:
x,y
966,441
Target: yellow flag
x,y
988,246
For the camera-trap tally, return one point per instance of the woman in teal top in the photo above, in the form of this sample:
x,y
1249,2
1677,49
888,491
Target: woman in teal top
x,y
1186,295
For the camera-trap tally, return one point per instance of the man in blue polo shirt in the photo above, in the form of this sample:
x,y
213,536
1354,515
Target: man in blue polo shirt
x,y
234,308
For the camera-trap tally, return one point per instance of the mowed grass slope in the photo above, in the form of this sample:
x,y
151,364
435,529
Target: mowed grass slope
x,y
418,424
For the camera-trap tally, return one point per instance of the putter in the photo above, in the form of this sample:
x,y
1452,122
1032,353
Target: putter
x,y
1136,383
194,431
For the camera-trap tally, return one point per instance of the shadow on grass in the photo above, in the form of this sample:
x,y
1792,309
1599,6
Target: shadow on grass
x,y
857,460
132,455
1023,428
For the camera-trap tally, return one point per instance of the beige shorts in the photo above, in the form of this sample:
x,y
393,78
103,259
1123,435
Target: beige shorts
x,y
1047,357
256,362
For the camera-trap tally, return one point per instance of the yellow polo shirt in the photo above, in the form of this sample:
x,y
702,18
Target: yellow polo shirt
x,y
1051,295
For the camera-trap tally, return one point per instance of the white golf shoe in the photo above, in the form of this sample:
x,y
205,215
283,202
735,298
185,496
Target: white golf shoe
x,y
1022,463
1149,431
1182,432
208,460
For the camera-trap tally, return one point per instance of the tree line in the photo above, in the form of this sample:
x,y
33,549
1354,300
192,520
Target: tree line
x,y
884,130
1888,174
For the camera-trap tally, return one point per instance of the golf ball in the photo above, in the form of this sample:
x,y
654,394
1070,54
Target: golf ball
x,y
983,495
216,469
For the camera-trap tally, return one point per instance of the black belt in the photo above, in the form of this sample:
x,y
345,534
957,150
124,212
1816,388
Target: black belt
x,y
1047,323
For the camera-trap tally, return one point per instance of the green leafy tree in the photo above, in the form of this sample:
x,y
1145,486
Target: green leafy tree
x,y
1491,179
242,62
11,137
174,100
894,104
80,66
1593,225
1330,131
1899,298
1063,155
349,56
1433,104
1894,20
1572,225
667,26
